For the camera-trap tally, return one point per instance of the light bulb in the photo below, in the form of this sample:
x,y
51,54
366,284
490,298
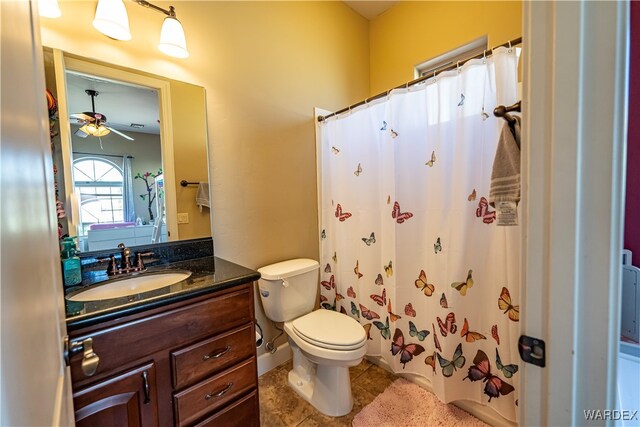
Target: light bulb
x,y
49,9
101,131
89,128
172,40
112,19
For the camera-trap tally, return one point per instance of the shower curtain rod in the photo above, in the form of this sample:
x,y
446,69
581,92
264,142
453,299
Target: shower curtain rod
x,y
419,80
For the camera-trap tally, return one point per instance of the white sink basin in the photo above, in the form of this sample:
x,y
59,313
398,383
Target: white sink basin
x,y
131,286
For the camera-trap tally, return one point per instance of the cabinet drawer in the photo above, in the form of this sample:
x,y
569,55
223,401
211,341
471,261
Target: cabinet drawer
x,y
243,413
209,395
170,329
213,355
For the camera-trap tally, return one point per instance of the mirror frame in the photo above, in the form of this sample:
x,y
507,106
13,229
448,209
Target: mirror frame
x,y
63,63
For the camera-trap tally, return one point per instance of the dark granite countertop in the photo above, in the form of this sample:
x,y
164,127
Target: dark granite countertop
x,y
208,274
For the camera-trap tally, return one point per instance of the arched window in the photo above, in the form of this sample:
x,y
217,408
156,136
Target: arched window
x,y
99,183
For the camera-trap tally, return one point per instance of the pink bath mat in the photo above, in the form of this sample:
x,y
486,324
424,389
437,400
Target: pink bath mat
x,y
405,404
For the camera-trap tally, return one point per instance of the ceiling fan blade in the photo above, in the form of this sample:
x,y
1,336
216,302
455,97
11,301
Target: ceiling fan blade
x,y
82,134
82,116
120,133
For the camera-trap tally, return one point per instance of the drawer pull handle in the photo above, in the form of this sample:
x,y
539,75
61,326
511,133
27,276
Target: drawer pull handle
x,y
217,354
220,393
147,390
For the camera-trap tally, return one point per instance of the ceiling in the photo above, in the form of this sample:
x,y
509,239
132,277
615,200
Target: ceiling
x,y
123,104
370,9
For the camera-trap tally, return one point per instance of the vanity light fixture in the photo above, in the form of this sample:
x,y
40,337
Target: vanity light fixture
x,y
112,20
49,9
172,39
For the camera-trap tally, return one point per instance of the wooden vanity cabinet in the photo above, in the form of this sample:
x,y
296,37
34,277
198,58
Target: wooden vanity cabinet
x,y
185,364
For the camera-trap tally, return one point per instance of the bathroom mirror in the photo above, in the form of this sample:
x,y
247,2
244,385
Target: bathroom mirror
x,y
122,143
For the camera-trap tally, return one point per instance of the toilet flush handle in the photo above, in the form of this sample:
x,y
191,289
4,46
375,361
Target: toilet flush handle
x,y
285,283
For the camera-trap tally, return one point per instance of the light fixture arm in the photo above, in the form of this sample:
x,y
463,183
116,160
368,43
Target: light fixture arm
x,y
171,12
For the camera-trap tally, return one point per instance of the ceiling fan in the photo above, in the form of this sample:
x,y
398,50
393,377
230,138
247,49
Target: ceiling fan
x,y
94,124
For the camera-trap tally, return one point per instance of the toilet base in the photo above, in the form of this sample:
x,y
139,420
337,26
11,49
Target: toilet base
x,y
327,388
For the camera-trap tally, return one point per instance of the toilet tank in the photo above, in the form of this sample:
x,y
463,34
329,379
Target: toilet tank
x,y
288,289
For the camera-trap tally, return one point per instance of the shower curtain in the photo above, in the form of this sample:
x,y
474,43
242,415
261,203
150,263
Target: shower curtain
x,y
409,245
128,208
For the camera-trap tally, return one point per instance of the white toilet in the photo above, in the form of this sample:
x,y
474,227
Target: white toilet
x,y
325,343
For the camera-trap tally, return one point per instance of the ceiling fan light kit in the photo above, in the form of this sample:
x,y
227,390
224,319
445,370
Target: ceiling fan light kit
x,y
93,130
94,123
111,19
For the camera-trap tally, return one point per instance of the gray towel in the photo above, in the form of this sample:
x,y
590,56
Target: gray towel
x,y
505,177
202,196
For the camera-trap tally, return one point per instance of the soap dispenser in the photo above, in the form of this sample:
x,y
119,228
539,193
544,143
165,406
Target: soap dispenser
x,y
71,272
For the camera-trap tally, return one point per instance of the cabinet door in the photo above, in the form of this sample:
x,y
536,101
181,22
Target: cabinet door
x,y
128,399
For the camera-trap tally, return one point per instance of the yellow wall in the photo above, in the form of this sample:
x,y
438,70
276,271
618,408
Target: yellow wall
x,y
412,32
189,155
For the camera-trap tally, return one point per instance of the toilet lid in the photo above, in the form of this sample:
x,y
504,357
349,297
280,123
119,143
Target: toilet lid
x,y
330,329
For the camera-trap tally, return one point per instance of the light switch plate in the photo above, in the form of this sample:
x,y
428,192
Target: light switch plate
x,y
183,218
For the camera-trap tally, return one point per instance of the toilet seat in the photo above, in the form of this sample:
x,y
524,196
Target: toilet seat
x,y
330,330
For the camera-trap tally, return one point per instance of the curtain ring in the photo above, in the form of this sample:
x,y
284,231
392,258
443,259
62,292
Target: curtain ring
x,y
510,49
406,85
388,92
484,56
458,66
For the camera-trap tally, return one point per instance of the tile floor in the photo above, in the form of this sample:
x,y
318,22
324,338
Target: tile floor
x,y
281,406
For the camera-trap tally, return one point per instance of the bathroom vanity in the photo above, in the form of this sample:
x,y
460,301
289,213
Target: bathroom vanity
x,y
181,355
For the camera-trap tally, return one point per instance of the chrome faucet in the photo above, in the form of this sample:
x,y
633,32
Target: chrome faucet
x,y
125,261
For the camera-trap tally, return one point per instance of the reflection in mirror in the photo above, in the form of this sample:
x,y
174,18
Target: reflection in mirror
x,y
117,162
124,139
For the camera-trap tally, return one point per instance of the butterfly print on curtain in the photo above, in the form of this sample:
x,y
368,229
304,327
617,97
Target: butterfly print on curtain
x,y
406,351
414,332
504,303
393,316
388,269
381,300
449,325
368,314
421,283
481,370
456,362
400,217
462,287
409,311
483,211
384,329
342,216
468,335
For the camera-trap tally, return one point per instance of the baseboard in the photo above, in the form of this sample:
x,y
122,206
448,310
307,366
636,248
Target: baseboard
x,y
268,361
479,411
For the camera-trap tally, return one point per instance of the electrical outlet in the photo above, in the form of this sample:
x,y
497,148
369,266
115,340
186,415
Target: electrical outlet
x,y
183,218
